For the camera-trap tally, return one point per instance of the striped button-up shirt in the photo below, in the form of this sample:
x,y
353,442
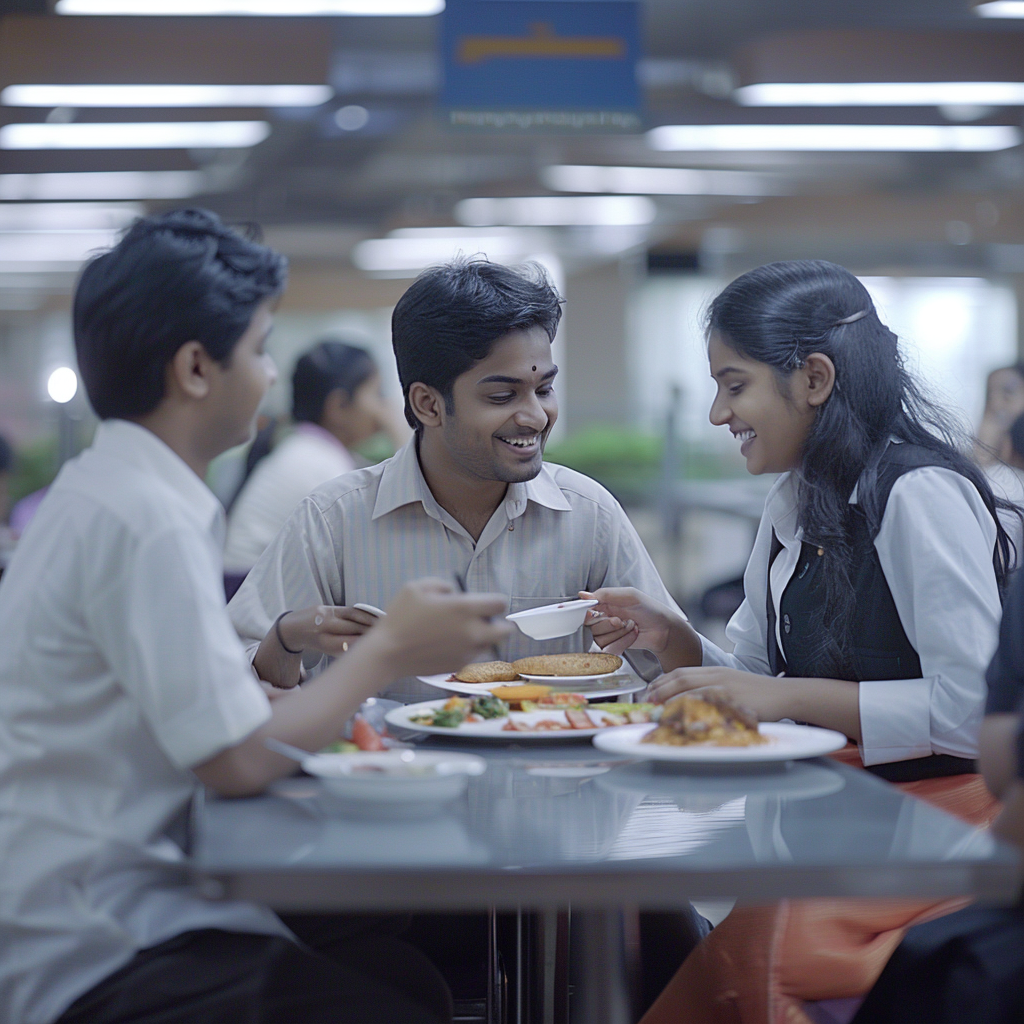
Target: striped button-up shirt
x,y
361,536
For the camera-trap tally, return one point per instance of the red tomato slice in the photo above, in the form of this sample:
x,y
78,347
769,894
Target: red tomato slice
x,y
364,736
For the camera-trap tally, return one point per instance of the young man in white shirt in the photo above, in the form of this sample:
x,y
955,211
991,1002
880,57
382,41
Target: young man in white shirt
x,y
469,498
123,686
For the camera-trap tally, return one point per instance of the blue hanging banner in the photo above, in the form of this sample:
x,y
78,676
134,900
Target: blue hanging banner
x,y
522,65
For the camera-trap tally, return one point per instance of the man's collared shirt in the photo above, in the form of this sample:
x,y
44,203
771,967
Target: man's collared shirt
x,y
119,671
360,537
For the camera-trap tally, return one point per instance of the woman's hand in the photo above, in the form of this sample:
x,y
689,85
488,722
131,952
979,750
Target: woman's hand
x,y
764,696
330,629
624,618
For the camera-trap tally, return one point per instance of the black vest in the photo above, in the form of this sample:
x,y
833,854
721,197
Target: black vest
x,y
880,648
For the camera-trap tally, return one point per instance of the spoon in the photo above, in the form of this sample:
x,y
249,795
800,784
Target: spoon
x,y
286,750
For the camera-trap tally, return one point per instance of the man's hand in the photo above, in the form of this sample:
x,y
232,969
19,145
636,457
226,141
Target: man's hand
x,y
326,628
431,628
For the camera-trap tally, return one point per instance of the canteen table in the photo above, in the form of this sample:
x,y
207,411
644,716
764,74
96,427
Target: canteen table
x,y
557,831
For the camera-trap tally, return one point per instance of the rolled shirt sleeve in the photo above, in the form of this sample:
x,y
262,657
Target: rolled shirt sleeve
x,y
935,547
169,641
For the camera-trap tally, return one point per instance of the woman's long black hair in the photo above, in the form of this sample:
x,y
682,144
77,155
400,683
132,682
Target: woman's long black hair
x,y
779,314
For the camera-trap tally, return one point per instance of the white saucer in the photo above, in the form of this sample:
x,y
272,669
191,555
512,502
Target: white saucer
x,y
612,684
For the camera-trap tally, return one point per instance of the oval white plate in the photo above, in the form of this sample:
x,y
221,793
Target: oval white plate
x,y
490,728
613,684
787,742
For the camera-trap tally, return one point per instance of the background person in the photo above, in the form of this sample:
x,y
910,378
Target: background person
x,y
1004,402
337,404
123,687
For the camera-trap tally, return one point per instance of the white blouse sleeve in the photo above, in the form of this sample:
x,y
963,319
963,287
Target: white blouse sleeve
x,y
935,546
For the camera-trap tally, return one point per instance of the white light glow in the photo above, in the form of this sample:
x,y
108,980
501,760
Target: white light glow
x,y
395,254
145,135
668,181
1000,9
880,94
351,118
72,247
67,216
896,138
62,385
557,211
165,95
102,185
266,8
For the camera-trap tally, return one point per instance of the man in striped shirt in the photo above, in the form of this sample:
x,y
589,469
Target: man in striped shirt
x,y
469,498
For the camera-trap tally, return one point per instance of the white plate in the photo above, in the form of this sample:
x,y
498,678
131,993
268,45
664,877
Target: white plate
x,y
787,742
490,728
613,684
397,783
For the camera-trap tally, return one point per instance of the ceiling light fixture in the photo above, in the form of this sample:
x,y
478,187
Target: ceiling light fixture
x,y
557,211
65,217
145,135
384,255
894,138
165,95
1000,9
102,185
667,181
880,94
266,8
62,385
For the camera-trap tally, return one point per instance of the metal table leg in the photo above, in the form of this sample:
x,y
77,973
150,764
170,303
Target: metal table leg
x,y
603,950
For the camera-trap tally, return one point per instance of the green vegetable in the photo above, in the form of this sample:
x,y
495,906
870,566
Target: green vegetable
x,y
490,707
340,747
449,719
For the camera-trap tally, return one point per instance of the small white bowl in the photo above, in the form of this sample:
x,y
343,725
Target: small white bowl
x,y
552,620
395,783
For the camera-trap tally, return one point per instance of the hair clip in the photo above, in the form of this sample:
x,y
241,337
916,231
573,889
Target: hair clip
x,y
853,317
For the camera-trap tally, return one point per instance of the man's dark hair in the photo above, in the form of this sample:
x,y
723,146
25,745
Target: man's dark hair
x,y
326,367
453,314
177,277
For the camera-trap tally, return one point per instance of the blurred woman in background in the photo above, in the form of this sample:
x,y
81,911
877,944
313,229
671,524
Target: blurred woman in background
x,y
337,405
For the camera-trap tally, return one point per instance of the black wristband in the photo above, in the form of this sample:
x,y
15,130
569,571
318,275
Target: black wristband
x,y
277,633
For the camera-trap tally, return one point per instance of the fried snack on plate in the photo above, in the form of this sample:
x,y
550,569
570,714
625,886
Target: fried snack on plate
x,y
568,664
487,672
515,695
711,719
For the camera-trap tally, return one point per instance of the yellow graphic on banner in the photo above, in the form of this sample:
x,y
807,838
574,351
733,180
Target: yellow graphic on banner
x,y
541,42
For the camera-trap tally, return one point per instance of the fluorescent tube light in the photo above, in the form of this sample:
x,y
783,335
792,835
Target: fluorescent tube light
x,y
667,181
557,210
416,253
145,135
897,138
165,95
21,247
67,216
880,94
271,8
102,185
1000,9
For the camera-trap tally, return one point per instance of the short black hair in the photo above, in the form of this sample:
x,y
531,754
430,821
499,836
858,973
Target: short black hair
x,y
1017,437
177,277
326,367
452,315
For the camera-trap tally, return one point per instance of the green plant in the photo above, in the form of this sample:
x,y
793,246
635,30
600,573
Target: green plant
x,y
34,467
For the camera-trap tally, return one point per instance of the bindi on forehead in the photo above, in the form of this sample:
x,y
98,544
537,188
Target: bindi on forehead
x,y
534,369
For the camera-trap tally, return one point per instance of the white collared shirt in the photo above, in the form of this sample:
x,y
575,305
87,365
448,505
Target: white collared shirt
x,y
119,671
360,537
308,457
935,547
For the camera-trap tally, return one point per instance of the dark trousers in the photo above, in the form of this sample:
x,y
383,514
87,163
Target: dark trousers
x,y
349,970
966,968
